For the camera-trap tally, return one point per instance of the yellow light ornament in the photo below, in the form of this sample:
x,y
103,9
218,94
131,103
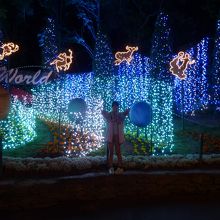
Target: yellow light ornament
x,y
8,49
125,56
179,64
63,61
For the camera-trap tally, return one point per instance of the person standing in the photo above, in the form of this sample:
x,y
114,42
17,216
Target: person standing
x,y
115,135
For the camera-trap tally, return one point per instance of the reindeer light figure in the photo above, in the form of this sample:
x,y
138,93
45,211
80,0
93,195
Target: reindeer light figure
x,y
8,49
125,56
63,61
179,65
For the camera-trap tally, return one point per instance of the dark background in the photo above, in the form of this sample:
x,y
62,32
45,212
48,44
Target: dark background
x,y
124,21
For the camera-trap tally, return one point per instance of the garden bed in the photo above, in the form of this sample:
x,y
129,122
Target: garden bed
x,y
63,166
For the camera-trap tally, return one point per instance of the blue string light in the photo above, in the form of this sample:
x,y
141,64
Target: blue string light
x,y
195,87
216,69
47,41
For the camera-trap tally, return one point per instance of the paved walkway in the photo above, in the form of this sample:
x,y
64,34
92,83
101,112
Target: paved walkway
x,y
135,195
93,175
187,210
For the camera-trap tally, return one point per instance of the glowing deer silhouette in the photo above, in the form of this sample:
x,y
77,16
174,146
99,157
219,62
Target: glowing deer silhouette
x,y
125,56
178,69
63,61
8,49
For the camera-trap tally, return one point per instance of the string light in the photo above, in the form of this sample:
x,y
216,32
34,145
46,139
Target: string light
x,y
48,43
191,94
161,50
19,127
8,49
143,80
63,61
134,84
179,65
51,104
103,83
125,56
216,69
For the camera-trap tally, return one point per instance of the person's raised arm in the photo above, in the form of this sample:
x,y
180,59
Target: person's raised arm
x,y
126,112
105,114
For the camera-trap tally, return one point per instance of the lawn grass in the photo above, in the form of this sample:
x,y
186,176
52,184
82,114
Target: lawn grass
x,y
187,133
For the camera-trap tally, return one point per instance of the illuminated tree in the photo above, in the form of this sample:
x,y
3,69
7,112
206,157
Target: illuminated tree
x,y
194,93
160,95
88,12
161,50
103,68
133,85
216,68
48,42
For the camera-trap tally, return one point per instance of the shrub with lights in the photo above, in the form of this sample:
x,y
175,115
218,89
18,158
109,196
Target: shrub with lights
x,y
19,127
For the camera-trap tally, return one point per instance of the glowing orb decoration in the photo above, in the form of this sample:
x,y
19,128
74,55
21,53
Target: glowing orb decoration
x,y
179,65
77,109
63,61
125,56
8,49
141,114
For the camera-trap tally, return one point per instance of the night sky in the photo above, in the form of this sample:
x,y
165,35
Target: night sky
x,y
124,21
